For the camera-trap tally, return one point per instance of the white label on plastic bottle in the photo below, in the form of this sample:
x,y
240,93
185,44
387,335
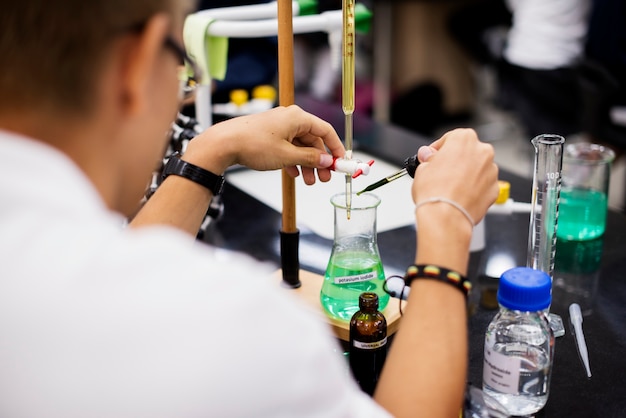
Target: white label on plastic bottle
x,y
356,278
501,372
369,346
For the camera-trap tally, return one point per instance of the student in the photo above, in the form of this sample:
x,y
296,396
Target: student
x,y
536,62
538,75
145,321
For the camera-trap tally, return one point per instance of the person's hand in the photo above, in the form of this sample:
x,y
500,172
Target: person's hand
x,y
283,137
458,167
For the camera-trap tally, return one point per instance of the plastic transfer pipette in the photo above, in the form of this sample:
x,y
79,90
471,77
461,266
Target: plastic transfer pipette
x,y
347,87
576,317
409,167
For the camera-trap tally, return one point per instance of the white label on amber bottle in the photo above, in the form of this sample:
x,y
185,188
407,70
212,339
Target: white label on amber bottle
x,y
501,372
369,346
356,278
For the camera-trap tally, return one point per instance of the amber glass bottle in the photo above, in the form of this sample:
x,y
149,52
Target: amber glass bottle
x,y
368,342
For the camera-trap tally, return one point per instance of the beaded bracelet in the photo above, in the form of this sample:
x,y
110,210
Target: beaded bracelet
x,y
428,271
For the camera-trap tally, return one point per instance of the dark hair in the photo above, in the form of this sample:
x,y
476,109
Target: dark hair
x,y
51,50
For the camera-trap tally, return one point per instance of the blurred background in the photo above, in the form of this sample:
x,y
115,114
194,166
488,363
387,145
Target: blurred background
x,y
511,69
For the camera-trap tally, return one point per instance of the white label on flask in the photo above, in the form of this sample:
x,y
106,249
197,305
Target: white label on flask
x,y
501,372
369,346
356,278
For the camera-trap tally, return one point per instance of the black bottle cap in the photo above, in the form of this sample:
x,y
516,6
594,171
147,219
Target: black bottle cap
x,y
368,301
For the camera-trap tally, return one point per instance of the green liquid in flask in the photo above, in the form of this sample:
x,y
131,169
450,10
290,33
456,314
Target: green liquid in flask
x,y
582,214
350,273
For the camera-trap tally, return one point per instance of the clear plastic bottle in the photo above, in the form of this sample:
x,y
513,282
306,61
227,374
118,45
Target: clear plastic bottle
x,y
368,342
519,343
478,404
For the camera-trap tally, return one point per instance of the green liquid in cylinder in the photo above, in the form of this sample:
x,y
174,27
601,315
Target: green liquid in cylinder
x,y
582,214
357,272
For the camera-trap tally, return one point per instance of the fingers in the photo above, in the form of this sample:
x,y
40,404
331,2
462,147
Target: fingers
x,y
310,130
292,171
308,174
459,167
310,161
283,137
425,152
312,138
455,134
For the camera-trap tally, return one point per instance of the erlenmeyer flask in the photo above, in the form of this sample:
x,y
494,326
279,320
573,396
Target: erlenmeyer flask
x,y
354,266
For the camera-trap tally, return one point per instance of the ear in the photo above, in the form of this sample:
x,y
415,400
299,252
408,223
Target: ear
x,y
141,61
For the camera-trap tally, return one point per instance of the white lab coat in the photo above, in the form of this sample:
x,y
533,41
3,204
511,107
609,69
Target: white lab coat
x,y
100,321
547,34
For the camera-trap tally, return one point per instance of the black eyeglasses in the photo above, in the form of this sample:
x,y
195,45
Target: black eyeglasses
x,y
190,76
189,81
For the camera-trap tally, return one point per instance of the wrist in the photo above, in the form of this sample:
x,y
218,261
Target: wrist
x,y
441,274
205,178
445,220
443,236
208,152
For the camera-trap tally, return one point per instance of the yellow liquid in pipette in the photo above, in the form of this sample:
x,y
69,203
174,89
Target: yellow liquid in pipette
x,y
347,87
347,69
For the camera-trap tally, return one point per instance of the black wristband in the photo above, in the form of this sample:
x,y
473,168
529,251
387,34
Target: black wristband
x,y
427,271
192,172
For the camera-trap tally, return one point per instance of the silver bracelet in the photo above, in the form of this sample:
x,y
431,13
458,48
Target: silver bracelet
x,y
450,202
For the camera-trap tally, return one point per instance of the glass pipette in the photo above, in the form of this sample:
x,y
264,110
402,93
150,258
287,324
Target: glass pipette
x,y
347,87
410,165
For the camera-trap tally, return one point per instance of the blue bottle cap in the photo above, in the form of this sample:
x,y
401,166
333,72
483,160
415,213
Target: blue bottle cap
x,y
525,289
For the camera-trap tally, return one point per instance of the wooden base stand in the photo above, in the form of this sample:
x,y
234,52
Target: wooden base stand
x,y
310,293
